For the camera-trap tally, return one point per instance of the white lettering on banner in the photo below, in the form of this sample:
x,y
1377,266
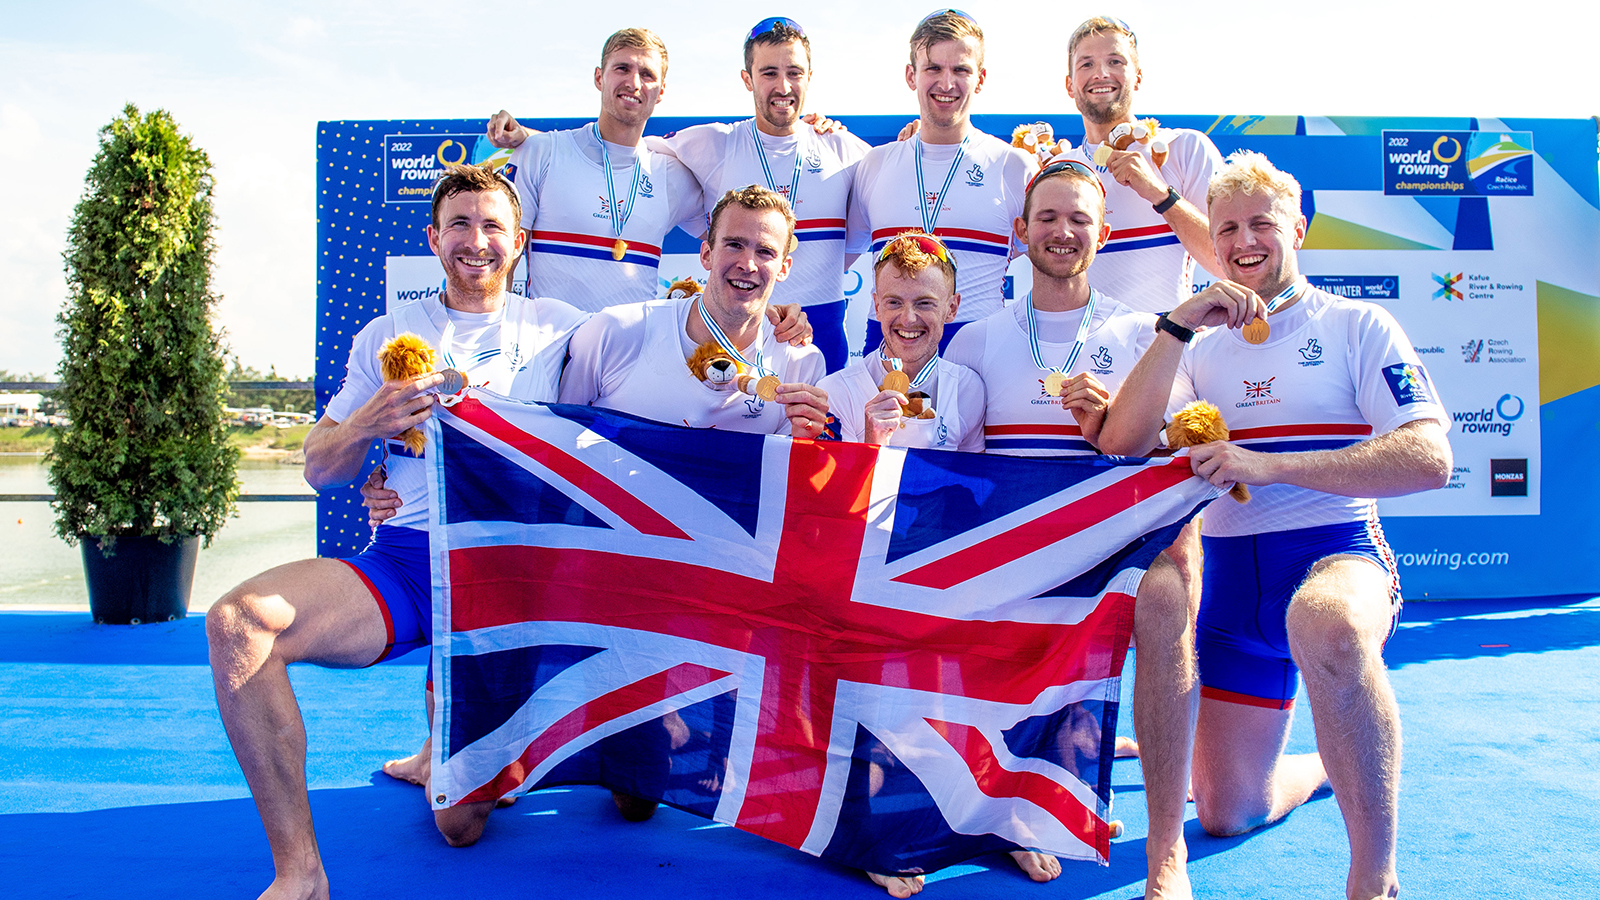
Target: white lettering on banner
x,y
1453,561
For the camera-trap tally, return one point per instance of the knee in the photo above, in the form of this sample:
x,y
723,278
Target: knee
x,y
462,826
1164,609
1225,816
1326,641
244,616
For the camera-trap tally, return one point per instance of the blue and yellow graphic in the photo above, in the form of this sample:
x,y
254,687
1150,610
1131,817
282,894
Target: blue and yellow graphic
x,y
1458,163
413,162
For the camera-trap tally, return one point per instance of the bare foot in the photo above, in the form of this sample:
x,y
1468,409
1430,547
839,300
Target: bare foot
x,y
413,768
1038,866
1375,885
309,887
1126,747
634,809
1168,878
901,886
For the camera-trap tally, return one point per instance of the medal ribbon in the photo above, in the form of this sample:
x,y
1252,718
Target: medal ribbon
x,y
619,217
772,184
894,363
1077,344
721,337
1288,292
931,218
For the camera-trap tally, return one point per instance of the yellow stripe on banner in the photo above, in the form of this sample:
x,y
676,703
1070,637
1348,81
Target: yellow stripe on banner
x,y
1569,332
1330,233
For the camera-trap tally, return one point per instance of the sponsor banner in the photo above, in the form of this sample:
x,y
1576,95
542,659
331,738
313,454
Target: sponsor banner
x,y
1458,163
1495,282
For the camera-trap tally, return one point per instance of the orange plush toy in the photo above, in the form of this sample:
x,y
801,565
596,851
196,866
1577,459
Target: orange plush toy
x,y
683,288
1201,423
1039,139
409,356
711,364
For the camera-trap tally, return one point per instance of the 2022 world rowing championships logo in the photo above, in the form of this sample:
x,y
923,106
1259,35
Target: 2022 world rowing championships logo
x,y
1458,163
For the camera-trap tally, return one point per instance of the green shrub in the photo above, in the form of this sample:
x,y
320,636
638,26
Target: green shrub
x,y
142,376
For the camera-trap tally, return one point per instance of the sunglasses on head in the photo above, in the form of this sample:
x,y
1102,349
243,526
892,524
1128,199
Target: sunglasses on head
x,y
927,242
947,12
773,23
1067,165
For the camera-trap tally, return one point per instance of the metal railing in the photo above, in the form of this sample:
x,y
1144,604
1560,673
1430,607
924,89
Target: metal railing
x,y
47,386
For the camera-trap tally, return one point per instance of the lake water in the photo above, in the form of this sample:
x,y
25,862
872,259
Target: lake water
x,y
38,569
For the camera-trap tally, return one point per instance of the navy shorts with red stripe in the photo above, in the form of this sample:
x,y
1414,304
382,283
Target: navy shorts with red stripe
x,y
394,568
1242,638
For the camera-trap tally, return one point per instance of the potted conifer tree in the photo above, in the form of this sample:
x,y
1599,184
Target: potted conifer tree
x,y
144,472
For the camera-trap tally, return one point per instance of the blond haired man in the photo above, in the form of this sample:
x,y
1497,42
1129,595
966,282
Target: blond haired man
x,y
1329,407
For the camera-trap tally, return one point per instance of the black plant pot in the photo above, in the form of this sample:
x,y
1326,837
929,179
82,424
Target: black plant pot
x,y
143,580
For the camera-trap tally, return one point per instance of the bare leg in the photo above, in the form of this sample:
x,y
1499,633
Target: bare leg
x,y
1338,621
1165,694
415,768
1242,780
311,611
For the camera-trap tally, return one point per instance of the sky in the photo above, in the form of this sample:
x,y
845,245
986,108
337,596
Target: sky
x,y
249,81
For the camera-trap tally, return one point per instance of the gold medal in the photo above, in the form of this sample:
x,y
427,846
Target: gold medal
x,y
1053,383
896,380
767,388
1102,155
1257,332
619,248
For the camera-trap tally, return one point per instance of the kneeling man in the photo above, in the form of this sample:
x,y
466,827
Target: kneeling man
x,y
356,612
931,402
1329,407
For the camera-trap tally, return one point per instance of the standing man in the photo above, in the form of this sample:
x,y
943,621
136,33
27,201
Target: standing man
x,y
1329,407
1027,355
811,169
950,180
1157,232
597,203
358,611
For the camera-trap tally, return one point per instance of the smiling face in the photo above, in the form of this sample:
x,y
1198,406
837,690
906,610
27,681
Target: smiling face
x,y
745,256
913,310
946,76
1256,237
631,82
477,241
778,77
1064,226
1103,77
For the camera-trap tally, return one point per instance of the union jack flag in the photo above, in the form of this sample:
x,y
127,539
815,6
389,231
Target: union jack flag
x,y
893,659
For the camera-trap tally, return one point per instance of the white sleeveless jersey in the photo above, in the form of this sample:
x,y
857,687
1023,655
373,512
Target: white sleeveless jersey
x,y
724,157
521,359
1143,264
1334,372
634,358
566,207
975,215
957,398
1021,419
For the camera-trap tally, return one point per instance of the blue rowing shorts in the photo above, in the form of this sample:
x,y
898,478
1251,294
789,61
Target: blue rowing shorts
x,y
394,568
1242,639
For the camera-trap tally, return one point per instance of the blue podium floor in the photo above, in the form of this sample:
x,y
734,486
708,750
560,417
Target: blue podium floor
x,y
116,780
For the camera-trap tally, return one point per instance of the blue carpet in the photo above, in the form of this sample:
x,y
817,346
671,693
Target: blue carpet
x,y
115,776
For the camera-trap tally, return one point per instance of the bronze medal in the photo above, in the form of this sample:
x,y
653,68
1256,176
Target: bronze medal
x,y
1256,332
896,380
767,388
619,248
1053,383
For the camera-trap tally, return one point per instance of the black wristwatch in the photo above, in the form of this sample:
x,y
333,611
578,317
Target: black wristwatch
x,y
1172,200
1184,335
